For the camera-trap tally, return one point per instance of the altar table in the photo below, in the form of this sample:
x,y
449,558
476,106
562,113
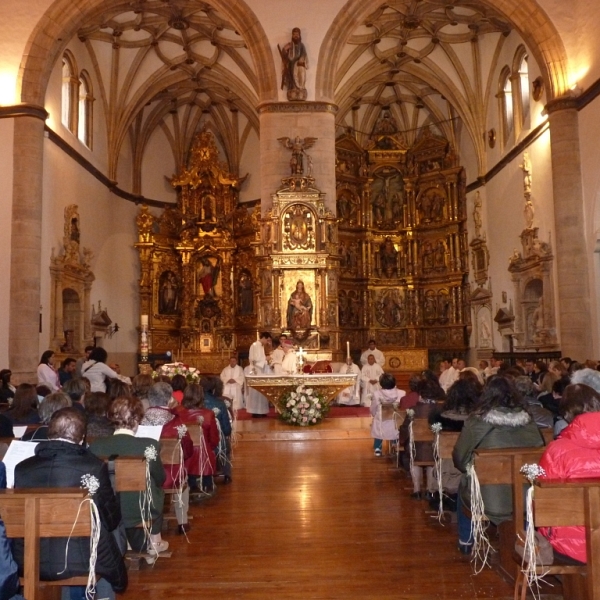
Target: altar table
x,y
328,384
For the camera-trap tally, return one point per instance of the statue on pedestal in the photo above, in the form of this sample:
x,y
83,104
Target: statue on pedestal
x,y
294,62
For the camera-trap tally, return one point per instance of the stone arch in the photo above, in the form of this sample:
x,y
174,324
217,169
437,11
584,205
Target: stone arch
x,y
527,17
62,20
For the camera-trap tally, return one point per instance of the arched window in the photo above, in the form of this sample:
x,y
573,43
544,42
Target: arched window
x,y
70,85
505,95
86,105
524,91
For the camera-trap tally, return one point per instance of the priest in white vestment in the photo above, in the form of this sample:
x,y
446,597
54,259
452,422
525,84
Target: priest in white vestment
x,y
369,376
290,361
233,379
372,350
276,358
350,396
256,403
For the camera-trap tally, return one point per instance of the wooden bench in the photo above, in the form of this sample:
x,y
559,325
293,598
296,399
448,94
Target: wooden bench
x,y
43,513
170,454
503,466
559,503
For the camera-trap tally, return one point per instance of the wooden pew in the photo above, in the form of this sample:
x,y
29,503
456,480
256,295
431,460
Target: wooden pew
x,y
448,440
559,503
35,513
503,466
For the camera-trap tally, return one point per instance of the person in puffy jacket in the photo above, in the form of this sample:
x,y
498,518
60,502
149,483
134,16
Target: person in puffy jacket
x,y
384,426
62,461
499,420
574,455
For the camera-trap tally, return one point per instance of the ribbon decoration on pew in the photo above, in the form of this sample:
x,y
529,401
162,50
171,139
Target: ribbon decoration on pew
x,y
437,428
530,550
410,415
181,479
146,501
222,447
91,484
481,544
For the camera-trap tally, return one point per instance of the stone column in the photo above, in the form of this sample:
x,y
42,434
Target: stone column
x,y
291,119
26,246
575,316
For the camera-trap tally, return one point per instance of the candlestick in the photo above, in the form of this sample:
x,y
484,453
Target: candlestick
x,y
347,349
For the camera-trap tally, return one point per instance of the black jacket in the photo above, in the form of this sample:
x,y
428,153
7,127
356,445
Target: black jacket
x,y
62,464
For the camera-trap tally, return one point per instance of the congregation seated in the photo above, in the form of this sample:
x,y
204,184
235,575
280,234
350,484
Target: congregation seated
x,y
76,388
574,455
140,385
23,410
62,461
213,400
7,390
203,462
160,397
412,397
126,414
429,390
543,418
49,405
499,420
96,409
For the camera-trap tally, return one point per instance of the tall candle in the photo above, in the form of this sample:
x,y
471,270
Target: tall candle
x,y
347,349
144,320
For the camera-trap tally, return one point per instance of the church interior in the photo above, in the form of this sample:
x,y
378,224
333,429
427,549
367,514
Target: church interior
x,y
445,202
178,176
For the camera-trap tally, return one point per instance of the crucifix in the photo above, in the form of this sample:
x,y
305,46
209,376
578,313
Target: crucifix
x,y
300,356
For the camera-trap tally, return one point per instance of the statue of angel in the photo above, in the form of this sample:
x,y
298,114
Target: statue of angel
x,y
298,147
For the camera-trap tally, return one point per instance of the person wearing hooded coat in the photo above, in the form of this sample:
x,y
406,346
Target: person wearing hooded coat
x,y
384,428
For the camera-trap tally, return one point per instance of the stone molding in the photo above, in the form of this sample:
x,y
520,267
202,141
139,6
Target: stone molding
x,y
23,110
297,107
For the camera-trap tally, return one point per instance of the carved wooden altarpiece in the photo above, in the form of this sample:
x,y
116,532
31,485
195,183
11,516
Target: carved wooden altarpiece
x,y
402,244
193,256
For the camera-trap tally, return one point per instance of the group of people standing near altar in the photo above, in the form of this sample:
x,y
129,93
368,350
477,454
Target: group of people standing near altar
x,y
367,382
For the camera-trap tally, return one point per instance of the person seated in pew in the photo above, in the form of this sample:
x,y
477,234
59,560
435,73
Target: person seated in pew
x,y
160,397
126,414
96,409
543,418
61,462
498,420
203,462
462,396
428,390
49,405
213,400
23,410
574,455
412,397
384,428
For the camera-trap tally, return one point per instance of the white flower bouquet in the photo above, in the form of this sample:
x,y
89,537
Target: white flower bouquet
x,y
191,374
303,406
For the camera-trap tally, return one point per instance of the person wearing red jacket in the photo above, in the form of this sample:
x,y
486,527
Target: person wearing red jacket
x,y
574,455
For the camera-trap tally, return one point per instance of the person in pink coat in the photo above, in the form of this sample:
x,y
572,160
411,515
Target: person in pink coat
x,y
384,425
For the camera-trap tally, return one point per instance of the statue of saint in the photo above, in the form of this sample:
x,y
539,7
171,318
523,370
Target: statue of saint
x,y
298,146
299,313
294,62
477,214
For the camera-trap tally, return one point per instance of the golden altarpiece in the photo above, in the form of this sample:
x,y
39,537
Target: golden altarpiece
x,y
403,246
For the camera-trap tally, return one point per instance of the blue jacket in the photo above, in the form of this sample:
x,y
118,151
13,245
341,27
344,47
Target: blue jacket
x,y
9,576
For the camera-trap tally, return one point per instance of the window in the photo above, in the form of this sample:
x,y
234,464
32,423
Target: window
x,y
524,91
86,103
505,95
70,83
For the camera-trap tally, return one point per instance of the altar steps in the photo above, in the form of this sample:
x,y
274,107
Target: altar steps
x,y
265,430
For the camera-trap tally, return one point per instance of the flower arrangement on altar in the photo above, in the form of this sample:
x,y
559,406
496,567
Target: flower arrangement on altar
x,y
303,406
191,374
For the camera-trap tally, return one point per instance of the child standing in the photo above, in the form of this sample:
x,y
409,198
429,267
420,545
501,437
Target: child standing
x,y
384,424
